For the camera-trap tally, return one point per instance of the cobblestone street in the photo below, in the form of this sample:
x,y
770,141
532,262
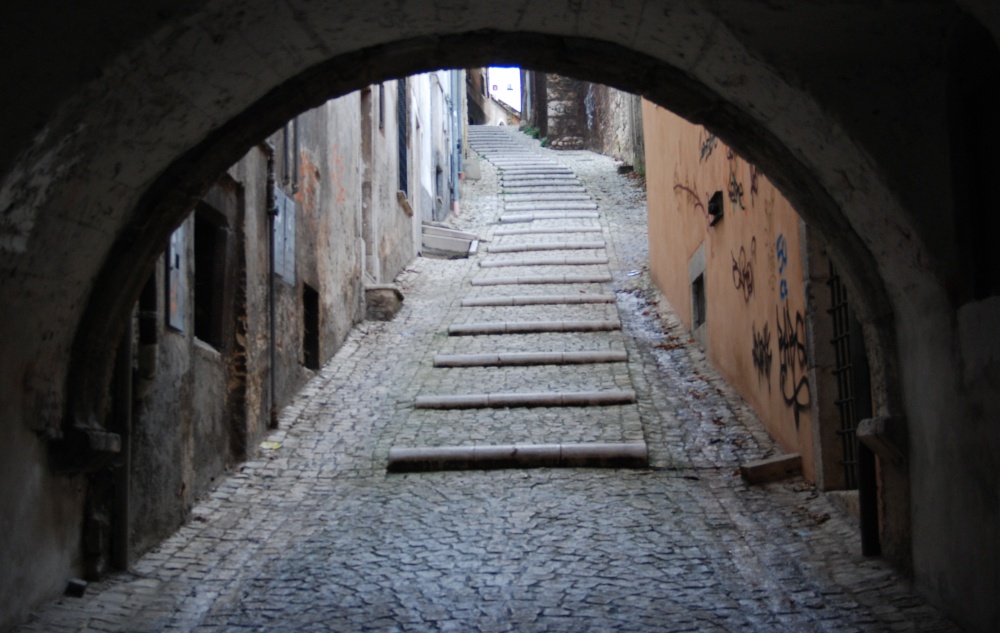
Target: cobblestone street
x,y
313,533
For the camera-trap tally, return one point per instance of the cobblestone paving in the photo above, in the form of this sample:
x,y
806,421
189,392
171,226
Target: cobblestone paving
x,y
315,536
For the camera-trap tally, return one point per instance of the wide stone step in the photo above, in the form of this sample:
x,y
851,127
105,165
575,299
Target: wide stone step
x,y
544,261
518,176
493,456
532,327
519,359
540,184
545,246
541,279
531,300
550,205
547,197
525,399
549,230
516,218
514,172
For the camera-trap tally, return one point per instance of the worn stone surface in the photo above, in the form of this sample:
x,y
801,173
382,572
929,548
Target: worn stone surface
x,y
311,534
382,302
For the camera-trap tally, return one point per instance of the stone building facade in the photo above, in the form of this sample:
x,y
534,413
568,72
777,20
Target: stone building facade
x,y
574,114
255,290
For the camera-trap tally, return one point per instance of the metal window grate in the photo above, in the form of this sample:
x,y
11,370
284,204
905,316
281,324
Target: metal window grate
x,y
401,120
840,312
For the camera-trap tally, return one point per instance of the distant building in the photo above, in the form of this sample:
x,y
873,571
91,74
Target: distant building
x,y
485,108
573,114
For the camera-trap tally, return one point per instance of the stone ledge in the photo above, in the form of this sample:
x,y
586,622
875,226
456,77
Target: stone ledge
x,y
525,399
772,469
485,457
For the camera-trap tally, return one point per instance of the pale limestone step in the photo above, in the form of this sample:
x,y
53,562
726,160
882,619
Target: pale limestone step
x,y
518,359
594,398
532,327
492,456
542,279
544,261
532,300
545,246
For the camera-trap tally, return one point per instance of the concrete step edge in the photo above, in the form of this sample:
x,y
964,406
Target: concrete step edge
x,y
494,456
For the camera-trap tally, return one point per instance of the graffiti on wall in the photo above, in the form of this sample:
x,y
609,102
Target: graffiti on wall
x,y
781,253
761,352
754,184
734,188
793,362
743,272
695,198
706,143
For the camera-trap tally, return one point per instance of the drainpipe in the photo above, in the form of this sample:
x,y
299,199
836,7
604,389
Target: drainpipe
x,y
271,211
295,155
456,135
123,427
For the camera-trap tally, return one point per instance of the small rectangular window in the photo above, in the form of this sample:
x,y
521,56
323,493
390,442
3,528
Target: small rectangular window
x,y
381,106
401,120
209,278
284,236
176,282
310,327
698,301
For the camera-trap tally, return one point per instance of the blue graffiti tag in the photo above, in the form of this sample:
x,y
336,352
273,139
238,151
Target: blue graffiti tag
x,y
782,251
781,254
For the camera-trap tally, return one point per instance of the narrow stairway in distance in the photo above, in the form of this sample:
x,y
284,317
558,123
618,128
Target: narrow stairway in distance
x,y
534,371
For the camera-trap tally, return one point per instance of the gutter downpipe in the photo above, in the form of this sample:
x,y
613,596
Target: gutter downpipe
x,y
456,135
271,211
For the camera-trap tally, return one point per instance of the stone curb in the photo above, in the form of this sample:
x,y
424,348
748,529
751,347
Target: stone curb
x,y
548,230
541,188
536,176
550,205
529,358
525,399
547,197
553,215
530,327
545,261
546,246
535,300
539,171
483,457
541,279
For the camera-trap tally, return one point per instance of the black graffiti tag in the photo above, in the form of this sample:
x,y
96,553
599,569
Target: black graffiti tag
x,y
735,190
743,274
762,353
695,199
708,143
793,362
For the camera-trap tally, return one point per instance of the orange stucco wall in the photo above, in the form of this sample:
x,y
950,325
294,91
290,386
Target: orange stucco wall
x,y
754,290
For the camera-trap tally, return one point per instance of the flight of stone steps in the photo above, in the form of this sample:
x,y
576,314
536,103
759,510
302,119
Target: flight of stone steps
x,y
534,369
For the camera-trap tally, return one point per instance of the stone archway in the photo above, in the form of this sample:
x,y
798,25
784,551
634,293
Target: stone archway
x,y
123,146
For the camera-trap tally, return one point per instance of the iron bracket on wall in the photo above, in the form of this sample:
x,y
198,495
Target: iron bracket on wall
x,y
885,436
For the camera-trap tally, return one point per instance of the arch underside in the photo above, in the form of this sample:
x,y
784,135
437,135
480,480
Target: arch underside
x,y
837,104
